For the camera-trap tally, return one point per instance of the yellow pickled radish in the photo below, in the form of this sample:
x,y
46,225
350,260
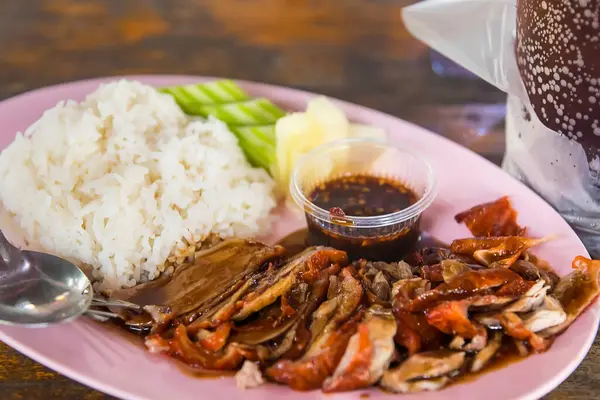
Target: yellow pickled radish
x,y
295,133
330,118
298,133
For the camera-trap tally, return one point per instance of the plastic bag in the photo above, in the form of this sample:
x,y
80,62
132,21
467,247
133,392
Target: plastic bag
x,y
480,36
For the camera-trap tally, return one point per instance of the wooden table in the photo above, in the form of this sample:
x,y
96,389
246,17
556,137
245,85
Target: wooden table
x,y
356,50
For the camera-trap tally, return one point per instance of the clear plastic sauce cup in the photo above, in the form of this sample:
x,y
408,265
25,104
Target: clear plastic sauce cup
x,y
363,196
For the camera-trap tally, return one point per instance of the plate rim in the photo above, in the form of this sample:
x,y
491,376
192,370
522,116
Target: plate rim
x,y
60,367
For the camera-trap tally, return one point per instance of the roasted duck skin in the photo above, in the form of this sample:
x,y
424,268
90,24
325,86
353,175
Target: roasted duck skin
x,y
576,292
330,329
368,354
194,287
264,288
462,286
304,267
495,251
515,327
413,331
330,332
314,321
529,271
195,355
424,371
320,361
496,218
452,318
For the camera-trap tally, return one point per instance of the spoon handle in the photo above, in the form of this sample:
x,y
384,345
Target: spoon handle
x,y
7,250
99,301
101,316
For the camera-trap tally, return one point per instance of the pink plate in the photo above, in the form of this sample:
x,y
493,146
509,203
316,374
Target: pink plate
x,y
88,353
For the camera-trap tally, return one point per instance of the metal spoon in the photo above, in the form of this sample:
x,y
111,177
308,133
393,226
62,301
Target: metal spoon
x,y
38,289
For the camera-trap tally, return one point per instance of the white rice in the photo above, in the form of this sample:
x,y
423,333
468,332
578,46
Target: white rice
x,y
118,180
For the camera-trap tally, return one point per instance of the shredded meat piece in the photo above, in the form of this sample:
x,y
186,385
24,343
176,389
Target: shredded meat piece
x,y
497,218
487,353
356,374
516,288
368,354
333,287
576,292
215,341
381,287
182,348
548,315
351,293
478,343
249,376
462,286
314,322
531,299
434,255
452,268
286,309
445,271
433,273
452,318
310,371
457,343
321,260
413,331
393,271
424,371
406,290
539,263
156,344
589,267
495,251
502,244
514,327
529,271
521,348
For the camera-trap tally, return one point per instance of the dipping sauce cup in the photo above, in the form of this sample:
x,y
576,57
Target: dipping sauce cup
x,y
364,196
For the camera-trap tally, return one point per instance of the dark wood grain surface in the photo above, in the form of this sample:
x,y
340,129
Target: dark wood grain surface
x,y
356,50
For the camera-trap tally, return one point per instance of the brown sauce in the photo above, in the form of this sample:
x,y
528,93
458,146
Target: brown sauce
x,y
117,327
197,372
507,355
298,241
295,242
428,241
363,196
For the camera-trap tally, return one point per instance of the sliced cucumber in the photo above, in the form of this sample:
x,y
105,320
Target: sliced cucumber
x,y
190,97
258,144
251,120
252,112
265,132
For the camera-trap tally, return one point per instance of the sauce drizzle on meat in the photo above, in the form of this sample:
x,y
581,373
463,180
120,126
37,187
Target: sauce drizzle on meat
x,y
311,318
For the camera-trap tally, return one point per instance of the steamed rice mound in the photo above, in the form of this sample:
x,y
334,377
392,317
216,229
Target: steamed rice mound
x,y
118,180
